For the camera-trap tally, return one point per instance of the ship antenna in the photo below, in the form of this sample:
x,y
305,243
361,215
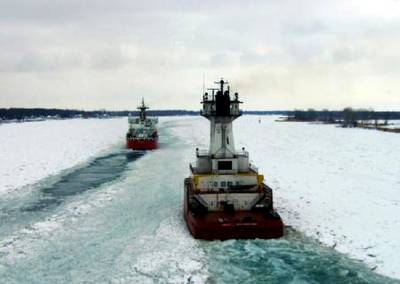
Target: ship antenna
x,y
221,83
204,84
213,92
142,109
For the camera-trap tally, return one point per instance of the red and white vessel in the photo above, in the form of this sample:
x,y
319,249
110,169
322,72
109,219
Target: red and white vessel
x,y
142,133
225,196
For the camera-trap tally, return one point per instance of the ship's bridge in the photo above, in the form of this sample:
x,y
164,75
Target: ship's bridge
x,y
206,163
213,108
219,104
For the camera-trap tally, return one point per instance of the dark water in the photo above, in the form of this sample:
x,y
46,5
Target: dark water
x,y
98,172
44,197
292,259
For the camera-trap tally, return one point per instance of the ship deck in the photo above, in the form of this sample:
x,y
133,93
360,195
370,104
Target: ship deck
x,y
262,223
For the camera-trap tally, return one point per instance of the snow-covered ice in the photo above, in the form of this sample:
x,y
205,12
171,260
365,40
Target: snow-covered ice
x,y
339,186
31,151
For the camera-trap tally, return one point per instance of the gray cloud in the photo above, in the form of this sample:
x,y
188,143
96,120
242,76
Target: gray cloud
x,y
280,54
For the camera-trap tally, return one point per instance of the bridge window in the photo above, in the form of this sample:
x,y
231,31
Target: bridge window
x,y
224,165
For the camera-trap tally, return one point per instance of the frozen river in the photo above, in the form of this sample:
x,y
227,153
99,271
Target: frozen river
x,y
116,217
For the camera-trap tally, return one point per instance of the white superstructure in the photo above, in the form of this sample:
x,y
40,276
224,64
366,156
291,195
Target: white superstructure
x,y
223,176
142,127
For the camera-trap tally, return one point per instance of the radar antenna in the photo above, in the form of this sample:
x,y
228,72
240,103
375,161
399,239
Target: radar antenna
x,y
221,83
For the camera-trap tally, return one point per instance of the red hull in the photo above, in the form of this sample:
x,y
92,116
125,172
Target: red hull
x,y
142,144
237,225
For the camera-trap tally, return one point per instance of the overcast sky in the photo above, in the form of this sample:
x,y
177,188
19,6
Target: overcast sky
x,y
92,54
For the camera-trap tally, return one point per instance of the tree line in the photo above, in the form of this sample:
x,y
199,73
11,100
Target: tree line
x,y
29,113
32,113
349,117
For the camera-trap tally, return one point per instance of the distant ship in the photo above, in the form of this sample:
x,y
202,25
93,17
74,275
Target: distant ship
x,y
225,197
142,133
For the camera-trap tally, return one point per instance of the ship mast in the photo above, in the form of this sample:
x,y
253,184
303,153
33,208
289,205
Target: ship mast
x,y
220,110
142,107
